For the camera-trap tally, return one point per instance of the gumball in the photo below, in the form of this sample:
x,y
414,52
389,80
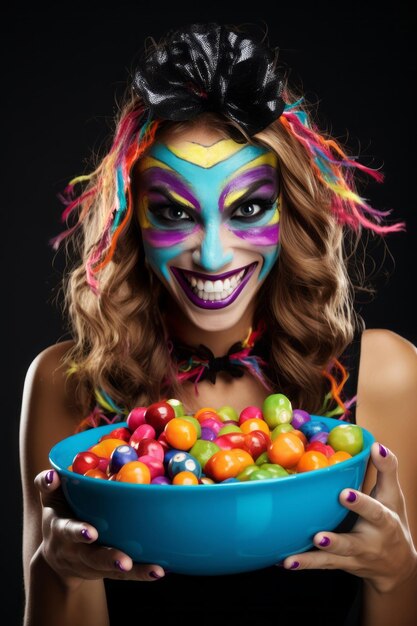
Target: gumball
x,y
250,412
299,417
300,435
169,454
275,470
230,440
318,446
118,433
312,428
136,417
255,424
120,456
185,478
338,457
281,428
229,428
206,412
244,475
84,461
152,447
347,437
183,462
202,450
227,464
96,473
180,433
144,431
134,472
178,406
286,450
276,409
105,448
207,434
163,441
311,460
193,420
211,422
156,467
322,436
260,474
256,442
228,413
103,464
160,480
262,458
158,415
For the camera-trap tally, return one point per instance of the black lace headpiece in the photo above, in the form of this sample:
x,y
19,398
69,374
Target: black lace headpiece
x,y
211,67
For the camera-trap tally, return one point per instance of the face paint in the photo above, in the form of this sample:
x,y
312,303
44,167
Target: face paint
x,y
209,217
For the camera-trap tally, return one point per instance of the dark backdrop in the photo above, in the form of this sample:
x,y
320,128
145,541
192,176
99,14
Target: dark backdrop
x,y
63,67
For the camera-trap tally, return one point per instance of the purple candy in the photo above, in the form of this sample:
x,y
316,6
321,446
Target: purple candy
x,y
207,434
321,436
299,417
160,480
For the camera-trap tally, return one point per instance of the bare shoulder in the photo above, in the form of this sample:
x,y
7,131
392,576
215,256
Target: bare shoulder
x,y
387,394
48,411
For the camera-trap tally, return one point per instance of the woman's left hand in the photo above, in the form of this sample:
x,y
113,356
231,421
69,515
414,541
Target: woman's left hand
x,y
379,548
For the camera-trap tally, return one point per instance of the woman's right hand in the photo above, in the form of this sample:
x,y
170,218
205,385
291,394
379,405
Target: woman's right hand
x,y
69,547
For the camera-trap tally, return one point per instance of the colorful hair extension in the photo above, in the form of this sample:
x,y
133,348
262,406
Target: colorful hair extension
x,y
129,144
336,387
334,169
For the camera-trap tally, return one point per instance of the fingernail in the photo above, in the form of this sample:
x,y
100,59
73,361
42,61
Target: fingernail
x,y
351,496
383,451
153,574
86,534
49,477
294,565
119,566
324,542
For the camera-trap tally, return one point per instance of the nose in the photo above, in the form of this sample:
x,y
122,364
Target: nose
x,y
212,255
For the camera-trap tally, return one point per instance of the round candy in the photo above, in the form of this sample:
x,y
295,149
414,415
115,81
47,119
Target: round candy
x,y
134,472
276,409
177,405
180,433
299,417
286,450
312,428
183,462
84,461
250,412
347,437
202,450
185,478
120,456
136,417
158,415
228,413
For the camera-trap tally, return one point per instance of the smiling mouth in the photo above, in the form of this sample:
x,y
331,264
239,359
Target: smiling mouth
x,y
209,291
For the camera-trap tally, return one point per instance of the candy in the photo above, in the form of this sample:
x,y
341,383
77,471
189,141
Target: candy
x,y
161,445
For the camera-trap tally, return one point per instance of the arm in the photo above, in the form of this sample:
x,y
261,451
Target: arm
x,y
63,569
381,547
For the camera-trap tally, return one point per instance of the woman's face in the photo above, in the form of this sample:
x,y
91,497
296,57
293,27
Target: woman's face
x,y
209,210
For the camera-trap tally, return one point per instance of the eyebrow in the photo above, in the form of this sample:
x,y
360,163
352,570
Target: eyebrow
x,y
170,185
254,178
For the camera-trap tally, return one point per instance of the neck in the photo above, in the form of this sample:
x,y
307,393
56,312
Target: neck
x,y
218,341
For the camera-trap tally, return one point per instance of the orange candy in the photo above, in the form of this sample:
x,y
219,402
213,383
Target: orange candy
x,y
286,450
134,472
181,434
312,460
338,457
205,412
185,478
105,447
227,464
96,473
255,423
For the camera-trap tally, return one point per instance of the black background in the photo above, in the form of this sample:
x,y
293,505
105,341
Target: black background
x,y
63,68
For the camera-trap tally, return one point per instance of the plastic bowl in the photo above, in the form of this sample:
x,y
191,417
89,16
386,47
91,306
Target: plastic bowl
x,y
217,529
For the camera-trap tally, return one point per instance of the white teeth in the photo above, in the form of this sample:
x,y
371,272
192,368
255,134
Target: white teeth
x,y
217,290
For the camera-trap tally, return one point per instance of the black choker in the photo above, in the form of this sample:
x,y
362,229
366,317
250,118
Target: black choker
x,y
199,363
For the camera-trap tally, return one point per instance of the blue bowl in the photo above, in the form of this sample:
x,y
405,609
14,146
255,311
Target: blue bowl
x,y
223,528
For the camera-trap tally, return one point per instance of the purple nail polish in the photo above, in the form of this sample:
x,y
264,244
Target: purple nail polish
x,y
119,566
86,534
294,565
49,477
324,542
154,575
383,451
351,496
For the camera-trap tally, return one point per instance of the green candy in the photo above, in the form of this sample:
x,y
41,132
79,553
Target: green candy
x,y
281,428
276,409
262,458
228,413
229,428
177,405
246,473
347,437
260,474
202,450
193,420
275,470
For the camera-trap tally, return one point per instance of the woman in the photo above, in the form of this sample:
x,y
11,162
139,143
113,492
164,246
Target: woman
x,y
219,214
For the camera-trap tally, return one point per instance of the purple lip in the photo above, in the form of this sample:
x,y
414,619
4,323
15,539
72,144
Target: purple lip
x,y
212,304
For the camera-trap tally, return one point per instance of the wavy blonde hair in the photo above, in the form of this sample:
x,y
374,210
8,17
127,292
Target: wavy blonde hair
x,y
120,342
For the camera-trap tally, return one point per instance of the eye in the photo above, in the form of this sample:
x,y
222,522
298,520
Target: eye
x,y
170,213
253,209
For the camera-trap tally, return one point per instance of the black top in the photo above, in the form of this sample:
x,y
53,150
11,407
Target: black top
x,y
272,595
